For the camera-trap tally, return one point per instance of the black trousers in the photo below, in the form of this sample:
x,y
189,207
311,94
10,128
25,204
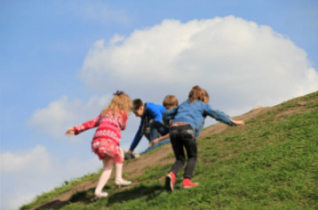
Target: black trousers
x,y
183,137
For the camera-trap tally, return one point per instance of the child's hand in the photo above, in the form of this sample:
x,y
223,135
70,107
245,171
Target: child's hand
x,y
238,122
153,142
70,132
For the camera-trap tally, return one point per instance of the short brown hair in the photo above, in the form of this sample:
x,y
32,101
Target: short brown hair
x,y
196,94
137,103
169,101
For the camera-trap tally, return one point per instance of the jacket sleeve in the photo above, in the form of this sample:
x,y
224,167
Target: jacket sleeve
x,y
169,114
155,112
216,114
87,125
137,136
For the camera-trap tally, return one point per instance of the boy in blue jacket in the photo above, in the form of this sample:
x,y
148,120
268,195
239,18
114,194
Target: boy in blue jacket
x,y
151,116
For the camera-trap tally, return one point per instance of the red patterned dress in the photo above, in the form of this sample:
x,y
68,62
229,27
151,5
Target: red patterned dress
x,y
107,137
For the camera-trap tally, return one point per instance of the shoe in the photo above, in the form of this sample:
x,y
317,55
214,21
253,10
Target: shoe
x,y
188,184
170,178
101,195
129,156
122,182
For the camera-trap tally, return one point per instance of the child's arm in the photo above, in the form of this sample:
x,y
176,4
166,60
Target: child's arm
x,y
137,137
220,116
169,114
238,122
83,127
159,139
70,132
155,112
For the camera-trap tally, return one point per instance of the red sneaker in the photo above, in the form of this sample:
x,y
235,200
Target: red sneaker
x,y
170,178
187,183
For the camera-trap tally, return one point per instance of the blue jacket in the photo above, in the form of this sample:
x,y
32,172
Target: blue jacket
x,y
152,111
194,114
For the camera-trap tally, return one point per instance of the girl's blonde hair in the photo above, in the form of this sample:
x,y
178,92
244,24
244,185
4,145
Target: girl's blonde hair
x,y
196,93
120,103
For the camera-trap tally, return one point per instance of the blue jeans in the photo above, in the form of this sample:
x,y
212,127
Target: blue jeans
x,y
156,145
157,127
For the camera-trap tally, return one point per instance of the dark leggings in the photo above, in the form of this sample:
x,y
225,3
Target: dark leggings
x,y
183,136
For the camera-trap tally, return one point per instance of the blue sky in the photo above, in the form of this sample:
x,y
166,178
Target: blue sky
x,y
61,61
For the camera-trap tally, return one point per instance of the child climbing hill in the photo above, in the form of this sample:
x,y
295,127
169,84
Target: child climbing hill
x,y
106,140
187,121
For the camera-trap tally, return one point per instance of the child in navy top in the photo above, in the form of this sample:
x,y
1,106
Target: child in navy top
x,y
187,122
151,116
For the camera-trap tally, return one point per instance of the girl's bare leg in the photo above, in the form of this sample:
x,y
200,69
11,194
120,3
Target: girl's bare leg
x,y
119,171
108,165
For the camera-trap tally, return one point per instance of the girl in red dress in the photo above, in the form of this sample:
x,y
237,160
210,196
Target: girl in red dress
x,y
106,140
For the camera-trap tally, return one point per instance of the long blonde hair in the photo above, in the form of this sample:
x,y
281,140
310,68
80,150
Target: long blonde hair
x,y
120,103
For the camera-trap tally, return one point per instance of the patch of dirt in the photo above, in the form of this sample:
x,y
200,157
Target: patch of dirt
x,y
294,110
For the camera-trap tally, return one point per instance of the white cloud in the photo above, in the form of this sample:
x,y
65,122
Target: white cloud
x,y
36,159
62,114
240,63
25,174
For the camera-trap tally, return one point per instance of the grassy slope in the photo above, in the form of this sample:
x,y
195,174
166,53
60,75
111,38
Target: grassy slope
x,y
271,163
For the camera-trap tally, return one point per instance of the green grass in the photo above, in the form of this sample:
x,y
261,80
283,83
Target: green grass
x,y
268,164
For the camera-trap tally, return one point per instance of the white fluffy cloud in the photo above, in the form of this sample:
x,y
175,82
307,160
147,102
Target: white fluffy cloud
x,y
240,63
59,115
31,172
37,160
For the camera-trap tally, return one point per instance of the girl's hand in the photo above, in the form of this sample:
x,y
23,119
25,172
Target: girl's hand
x,y
70,132
238,122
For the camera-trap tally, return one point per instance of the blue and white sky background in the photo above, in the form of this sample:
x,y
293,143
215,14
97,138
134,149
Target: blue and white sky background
x,y
61,61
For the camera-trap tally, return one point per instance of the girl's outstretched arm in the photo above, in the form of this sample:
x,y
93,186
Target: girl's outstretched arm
x,y
87,125
218,115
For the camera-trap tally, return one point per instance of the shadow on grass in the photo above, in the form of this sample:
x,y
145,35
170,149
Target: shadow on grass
x,y
86,196
149,191
80,196
53,205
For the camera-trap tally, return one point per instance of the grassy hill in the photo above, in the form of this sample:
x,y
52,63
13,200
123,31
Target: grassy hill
x,y
271,163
